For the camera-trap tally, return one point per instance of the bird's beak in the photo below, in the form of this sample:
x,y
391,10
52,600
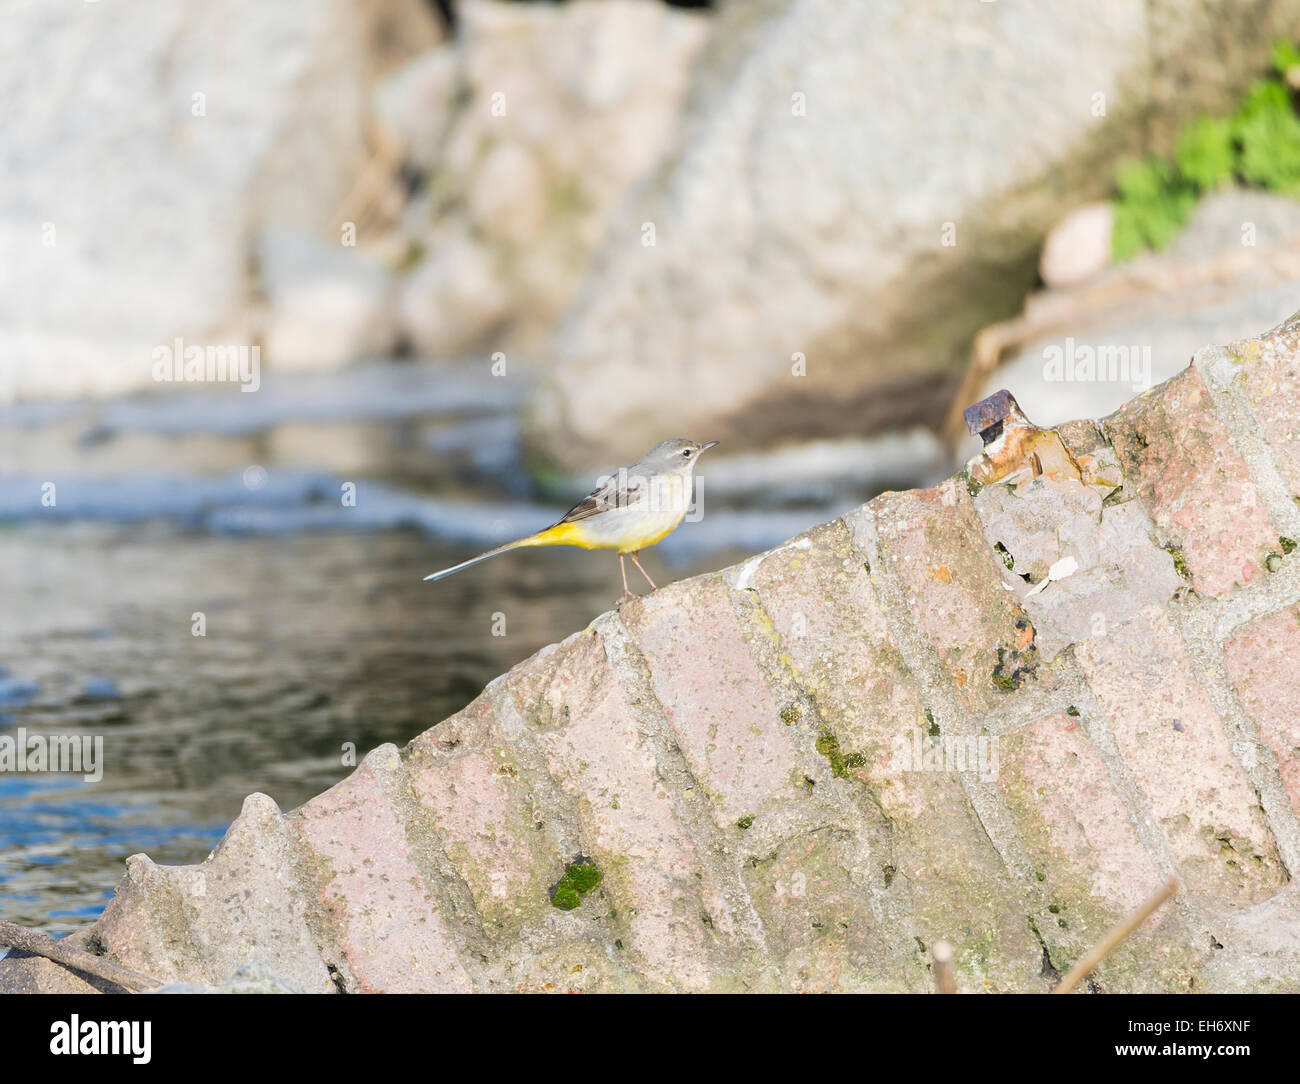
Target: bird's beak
x,y
706,447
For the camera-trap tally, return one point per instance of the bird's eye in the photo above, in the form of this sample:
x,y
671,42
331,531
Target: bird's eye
x,y
686,452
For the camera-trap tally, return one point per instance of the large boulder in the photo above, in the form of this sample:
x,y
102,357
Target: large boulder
x,y
533,124
854,191
147,148
1001,715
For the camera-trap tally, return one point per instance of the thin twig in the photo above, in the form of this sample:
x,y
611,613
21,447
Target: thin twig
x,y
944,980
39,944
1108,943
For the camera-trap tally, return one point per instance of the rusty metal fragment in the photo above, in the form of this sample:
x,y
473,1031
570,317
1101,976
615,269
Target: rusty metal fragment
x,y
1015,449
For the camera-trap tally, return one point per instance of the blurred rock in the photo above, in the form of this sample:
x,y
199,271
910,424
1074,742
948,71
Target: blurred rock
x,y
560,110
828,153
414,103
508,200
455,298
400,30
1078,246
327,304
146,149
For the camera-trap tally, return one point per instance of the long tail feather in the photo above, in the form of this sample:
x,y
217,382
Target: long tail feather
x,y
475,560
552,536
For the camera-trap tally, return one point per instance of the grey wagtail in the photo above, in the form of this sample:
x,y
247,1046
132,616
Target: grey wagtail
x,y
635,508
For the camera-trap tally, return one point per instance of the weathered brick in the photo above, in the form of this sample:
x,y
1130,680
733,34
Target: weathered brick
x,y
834,636
578,967
1260,660
1271,365
1175,746
1118,569
1176,453
1098,465
1085,848
495,833
720,709
600,754
240,906
983,638
389,925
1070,815
952,884
820,924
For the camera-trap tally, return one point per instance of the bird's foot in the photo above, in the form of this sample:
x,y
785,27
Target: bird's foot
x,y
626,595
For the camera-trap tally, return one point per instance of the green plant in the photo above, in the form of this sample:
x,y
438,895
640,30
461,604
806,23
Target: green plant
x,y
1268,132
1153,204
1285,56
1206,155
1260,145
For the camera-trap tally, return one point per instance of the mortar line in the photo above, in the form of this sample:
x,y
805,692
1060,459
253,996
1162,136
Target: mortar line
x,y
569,837
691,805
855,799
1263,775
1247,438
923,664
1096,727
529,749
440,879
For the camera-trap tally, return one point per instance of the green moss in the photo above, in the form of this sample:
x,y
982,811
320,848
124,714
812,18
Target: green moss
x,y
1180,562
841,764
1288,544
579,879
933,729
1072,710
790,715
746,822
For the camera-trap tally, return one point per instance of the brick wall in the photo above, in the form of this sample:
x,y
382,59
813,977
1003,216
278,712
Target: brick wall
x,y
754,760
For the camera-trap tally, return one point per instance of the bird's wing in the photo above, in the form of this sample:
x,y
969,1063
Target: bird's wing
x,y
625,488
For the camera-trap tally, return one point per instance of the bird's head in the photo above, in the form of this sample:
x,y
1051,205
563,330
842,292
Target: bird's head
x,y
675,454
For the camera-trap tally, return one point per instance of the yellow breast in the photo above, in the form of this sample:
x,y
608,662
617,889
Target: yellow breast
x,y
626,529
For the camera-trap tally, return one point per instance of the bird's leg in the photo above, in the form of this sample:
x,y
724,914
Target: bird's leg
x,y
653,586
627,591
